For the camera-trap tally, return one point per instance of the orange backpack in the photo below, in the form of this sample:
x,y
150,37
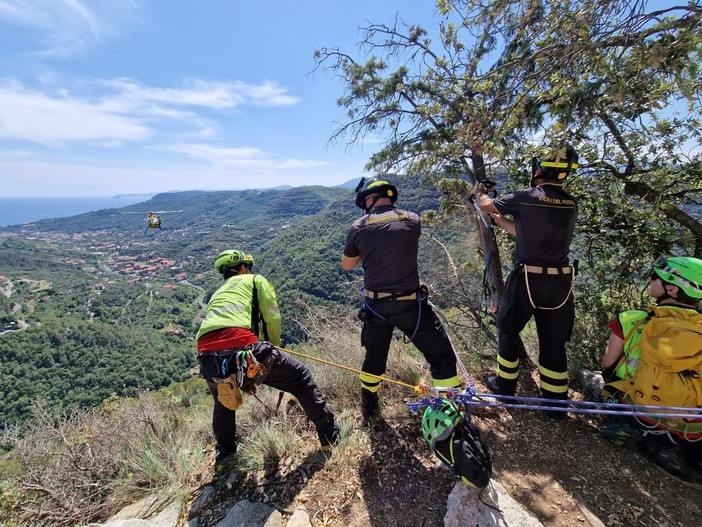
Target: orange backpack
x,y
670,371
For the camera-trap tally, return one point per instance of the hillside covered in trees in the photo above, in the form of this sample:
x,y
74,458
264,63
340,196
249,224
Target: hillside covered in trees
x,y
94,306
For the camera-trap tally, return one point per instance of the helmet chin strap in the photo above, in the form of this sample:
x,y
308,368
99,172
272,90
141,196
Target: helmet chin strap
x,y
367,209
666,296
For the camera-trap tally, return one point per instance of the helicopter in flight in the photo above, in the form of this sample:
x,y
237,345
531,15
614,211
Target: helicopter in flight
x,y
153,221
153,218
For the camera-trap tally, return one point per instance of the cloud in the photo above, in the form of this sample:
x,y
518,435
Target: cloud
x,y
241,157
40,118
116,111
14,154
206,94
69,26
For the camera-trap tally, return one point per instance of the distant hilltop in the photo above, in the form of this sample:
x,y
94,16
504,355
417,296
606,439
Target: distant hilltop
x,y
348,184
133,196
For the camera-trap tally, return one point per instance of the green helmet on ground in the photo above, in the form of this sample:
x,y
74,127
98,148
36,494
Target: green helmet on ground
x,y
438,423
456,442
682,271
232,258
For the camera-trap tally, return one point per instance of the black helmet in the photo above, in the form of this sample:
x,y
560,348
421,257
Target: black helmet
x,y
374,185
555,165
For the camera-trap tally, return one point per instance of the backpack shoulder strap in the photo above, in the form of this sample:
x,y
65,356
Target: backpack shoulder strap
x,y
256,318
650,314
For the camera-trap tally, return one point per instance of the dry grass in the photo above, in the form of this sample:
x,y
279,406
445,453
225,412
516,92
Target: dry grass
x,y
85,465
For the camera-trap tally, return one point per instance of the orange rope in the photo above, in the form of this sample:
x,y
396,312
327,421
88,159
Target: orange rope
x,y
419,388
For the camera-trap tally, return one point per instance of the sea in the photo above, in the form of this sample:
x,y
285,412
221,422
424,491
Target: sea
x,y
15,211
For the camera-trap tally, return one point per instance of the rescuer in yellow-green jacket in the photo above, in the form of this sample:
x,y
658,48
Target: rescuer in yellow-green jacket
x,y
237,350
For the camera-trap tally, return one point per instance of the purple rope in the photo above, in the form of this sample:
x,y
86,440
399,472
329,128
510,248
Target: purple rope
x,y
631,410
584,403
582,410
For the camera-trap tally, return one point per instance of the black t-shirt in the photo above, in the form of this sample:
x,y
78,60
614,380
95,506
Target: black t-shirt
x,y
544,222
387,240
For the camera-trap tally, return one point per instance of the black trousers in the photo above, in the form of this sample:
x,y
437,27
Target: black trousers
x,y
407,315
553,326
287,375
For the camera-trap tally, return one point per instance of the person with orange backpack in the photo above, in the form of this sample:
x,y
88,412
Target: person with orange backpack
x,y
654,358
238,349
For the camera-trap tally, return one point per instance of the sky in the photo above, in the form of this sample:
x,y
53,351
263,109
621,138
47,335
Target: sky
x,y
108,97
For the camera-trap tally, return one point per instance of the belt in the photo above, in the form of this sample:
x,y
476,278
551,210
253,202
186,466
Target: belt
x,y
393,296
547,270
223,353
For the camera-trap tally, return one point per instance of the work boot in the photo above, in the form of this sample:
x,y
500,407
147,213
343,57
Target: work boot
x,y
621,433
671,460
330,436
224,463
492,381
370,406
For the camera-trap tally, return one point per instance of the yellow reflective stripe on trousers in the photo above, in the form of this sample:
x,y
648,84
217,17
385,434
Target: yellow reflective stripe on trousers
x,y
553,388
507,364
369,382
553,374
507,374
451,382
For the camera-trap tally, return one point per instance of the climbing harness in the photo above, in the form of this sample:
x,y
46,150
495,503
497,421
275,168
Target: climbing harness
x,y
572,271
421,296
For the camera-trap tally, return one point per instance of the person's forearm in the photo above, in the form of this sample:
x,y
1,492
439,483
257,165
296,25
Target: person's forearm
x,y
613,352
505,223
348,263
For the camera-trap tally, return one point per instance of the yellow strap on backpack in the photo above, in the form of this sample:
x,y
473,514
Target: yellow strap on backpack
x,y
228,392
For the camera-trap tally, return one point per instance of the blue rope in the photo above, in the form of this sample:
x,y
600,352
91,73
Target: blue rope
x,y
588,403
632,410
577,410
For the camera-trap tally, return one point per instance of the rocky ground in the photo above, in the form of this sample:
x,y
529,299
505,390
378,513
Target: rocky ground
x,y
562,472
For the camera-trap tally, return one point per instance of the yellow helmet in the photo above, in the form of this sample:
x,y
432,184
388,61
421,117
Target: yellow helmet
x,y
556,165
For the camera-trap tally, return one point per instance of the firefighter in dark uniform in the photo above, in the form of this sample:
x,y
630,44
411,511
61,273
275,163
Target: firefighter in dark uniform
x,y
386,241
541,283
